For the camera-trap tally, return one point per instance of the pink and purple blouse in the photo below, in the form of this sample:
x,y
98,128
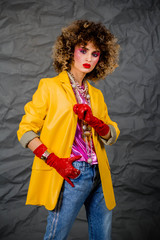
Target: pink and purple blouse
x,y
79,145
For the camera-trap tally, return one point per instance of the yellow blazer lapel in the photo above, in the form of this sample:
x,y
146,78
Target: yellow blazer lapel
x,y
65,82
93,99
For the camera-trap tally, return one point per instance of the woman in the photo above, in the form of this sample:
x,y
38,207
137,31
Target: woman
x,y
70,167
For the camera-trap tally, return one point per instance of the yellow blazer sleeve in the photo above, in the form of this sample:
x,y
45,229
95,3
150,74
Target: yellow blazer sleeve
x,y
35,111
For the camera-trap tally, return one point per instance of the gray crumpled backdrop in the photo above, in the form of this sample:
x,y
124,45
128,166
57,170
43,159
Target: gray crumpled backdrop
x,y
28,30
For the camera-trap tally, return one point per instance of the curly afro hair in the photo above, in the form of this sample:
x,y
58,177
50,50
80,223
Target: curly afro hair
x,y
82,32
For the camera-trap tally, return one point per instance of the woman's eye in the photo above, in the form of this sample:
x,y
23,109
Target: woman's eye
x,y
82,51
96,54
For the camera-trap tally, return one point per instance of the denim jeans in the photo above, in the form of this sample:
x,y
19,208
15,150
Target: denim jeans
x,y
87,191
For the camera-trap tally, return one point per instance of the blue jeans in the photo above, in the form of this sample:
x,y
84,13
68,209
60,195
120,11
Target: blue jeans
x,y
87,191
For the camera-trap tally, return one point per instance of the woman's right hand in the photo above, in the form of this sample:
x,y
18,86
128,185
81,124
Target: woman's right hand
x,y
64,166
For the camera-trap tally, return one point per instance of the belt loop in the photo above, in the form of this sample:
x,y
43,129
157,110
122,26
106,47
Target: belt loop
x,y
84,166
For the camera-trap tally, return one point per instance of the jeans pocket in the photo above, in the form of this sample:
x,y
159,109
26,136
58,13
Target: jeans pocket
x,y
77,176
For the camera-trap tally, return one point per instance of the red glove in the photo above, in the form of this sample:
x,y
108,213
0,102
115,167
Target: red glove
x,y
62,165
84,112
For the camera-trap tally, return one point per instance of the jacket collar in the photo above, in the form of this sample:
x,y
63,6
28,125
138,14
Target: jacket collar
x,y
65,82
63,77
92,97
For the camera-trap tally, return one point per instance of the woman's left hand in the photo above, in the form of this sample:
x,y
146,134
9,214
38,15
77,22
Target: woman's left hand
x,y
84,112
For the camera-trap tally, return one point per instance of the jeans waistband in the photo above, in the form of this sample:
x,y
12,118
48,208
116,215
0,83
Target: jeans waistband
x,y
84,165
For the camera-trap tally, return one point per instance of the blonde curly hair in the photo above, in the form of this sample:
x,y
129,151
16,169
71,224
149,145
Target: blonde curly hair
x,y
82,32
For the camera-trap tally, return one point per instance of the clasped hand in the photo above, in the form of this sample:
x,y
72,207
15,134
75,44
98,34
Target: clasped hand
x,y
84,112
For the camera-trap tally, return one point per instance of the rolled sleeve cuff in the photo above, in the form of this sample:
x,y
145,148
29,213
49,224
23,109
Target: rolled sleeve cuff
x,y
27,137
112,139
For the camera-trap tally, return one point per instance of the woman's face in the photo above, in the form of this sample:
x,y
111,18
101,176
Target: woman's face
x,y
85,58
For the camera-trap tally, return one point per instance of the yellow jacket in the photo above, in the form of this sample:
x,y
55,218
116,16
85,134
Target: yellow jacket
x,y
51,113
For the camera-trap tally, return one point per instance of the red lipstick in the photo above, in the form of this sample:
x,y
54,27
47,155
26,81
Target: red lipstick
x,y
86,65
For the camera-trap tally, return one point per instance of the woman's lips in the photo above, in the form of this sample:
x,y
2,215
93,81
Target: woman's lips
x,y
86,65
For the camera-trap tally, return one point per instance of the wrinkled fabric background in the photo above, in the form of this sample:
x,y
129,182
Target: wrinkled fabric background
x,y
28,30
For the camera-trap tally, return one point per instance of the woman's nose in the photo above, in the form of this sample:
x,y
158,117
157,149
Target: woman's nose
x,y
88,57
